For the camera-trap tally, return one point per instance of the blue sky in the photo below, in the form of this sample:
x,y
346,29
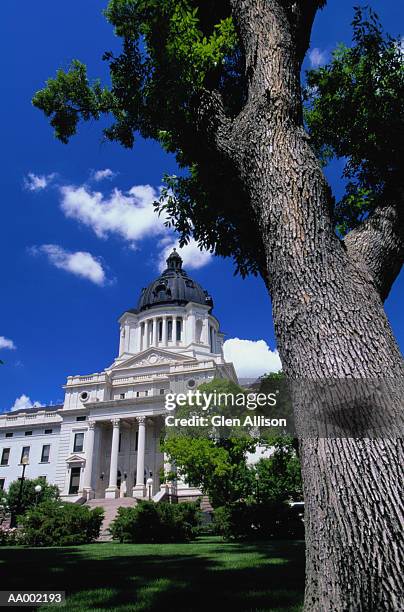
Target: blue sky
x,y
71,262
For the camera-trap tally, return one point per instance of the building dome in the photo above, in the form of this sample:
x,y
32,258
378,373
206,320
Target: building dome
x,y
173,287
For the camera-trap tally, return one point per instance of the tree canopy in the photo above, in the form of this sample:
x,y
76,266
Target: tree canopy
x,y
355,112
173,54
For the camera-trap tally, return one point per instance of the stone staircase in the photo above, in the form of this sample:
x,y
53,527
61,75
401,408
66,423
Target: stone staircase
x,y
206,506
110,507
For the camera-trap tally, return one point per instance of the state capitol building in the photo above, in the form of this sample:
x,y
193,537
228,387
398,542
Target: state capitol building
x,y
103,442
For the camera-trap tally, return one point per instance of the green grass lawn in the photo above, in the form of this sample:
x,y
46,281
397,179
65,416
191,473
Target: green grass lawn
x,y
208,575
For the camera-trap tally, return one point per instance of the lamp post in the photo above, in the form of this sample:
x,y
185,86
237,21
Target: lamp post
x,y
257,481
37,490
149,483
24,462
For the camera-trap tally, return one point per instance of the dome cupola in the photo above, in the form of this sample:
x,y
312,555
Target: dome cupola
x,y
173,287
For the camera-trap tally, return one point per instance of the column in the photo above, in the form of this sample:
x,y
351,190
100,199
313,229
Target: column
x,y
112,490
139,488
205,331
155,331
140,337
137,332
192,324
174,334
88,491
152,454
164,331
146,335
121,340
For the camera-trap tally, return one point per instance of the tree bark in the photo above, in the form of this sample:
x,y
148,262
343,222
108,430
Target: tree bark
x,y
329,323
379,244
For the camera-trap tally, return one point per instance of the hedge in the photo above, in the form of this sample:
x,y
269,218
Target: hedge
x,y
156,522
58,524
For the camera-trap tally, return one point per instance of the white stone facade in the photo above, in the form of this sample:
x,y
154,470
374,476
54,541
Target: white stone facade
x,y
104,440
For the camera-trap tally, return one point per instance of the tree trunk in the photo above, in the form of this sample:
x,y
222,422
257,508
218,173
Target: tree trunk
x,y
330,325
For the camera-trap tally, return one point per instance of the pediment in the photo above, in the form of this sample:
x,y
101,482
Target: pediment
x,y
151,357
75,459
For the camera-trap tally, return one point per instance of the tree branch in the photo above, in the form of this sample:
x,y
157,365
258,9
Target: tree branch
x,y
265,36
303,14
212,121
379,243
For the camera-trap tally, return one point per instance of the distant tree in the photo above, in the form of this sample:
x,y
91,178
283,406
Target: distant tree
x,y
279,476
218,84
19,504
213,459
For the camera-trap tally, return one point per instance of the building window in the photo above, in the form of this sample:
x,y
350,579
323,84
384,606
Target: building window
x,y
122,396
81,418
146,393
9,434
137,393
48,431
2,482
160,331
179,330
28,433
198,330
169,330
25,454
136,440
120,443
78,443
45,453
74,480
162,391
42,478
5,456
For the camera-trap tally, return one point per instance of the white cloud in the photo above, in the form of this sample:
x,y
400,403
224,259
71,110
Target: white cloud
x,y
251,358
130,215
193,258
101,175
6,343
80,263
24,402
36,182
317,57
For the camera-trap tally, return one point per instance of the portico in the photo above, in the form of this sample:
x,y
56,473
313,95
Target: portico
x,y
126,455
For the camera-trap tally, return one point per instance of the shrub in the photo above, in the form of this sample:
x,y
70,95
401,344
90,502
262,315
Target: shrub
x,y
9,536
150,522
55,524
249,520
